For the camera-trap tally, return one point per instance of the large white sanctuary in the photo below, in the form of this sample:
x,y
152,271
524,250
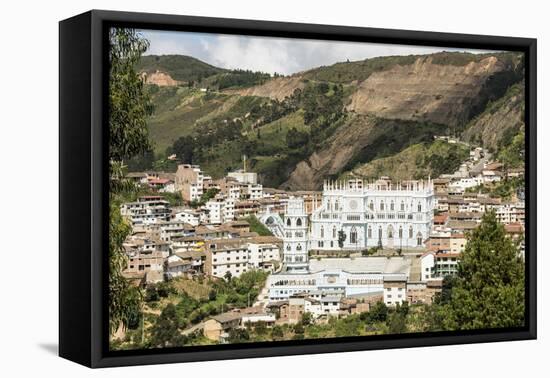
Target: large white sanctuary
x,y
351,216
375,214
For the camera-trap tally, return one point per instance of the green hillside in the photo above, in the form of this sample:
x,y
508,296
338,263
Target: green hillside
x,y
500,121
346,72
179,67
177,111
314,133
414,162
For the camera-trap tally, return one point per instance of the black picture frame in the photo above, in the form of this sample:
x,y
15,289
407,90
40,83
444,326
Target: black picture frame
x,y
83,196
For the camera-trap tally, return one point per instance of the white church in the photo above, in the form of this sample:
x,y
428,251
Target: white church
x,y
352,216
376,214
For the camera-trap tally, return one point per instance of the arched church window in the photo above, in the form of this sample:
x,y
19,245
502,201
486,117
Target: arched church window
x,y
419,239
299,222
419,207
288,223
380,233
299,247
371,205
382,205
369,232
402,206
390,232
392,206
400,232
322,232
410,232
334,232
288,247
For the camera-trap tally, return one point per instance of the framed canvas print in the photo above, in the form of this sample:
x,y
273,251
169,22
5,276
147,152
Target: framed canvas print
x,y
234,188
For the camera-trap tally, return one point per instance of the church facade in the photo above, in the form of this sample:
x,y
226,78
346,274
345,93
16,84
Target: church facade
x,y
354,216
351,216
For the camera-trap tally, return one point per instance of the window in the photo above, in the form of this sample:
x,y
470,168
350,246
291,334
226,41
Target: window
x,y
402,206
299,247
288,222
353,236
419,207
334,232
410,232
419,239
288,247
379,233
382,205
390,232
400,232
299,222
322,232
392,206
371,205
369,232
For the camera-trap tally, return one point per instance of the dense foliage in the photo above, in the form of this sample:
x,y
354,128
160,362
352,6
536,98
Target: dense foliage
x,y
240,78
129,106
257,226
489,290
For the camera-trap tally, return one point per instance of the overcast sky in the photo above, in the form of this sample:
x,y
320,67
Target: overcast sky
x,y
267,54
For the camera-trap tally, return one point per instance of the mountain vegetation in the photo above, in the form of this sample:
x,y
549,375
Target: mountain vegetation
x,y
414,162
180,67
329,121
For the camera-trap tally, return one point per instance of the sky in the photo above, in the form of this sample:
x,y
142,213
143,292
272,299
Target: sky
x,y
267,54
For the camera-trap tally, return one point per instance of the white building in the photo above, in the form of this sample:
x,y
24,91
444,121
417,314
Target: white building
x,y
254,191
395,290
190,216
237,256
427,264
465,183
378,214
512,212
264,252
244,177
295,239
339,276
174,229
220,210
146,210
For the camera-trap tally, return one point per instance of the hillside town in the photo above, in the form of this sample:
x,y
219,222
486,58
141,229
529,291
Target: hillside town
x,y
329,253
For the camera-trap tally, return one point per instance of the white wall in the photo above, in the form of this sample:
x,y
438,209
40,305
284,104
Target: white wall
x,y
29,140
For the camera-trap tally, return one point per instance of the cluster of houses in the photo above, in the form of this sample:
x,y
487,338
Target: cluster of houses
x,y
460,207
427,220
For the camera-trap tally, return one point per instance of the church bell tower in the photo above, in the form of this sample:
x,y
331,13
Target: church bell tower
x,y
295,241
